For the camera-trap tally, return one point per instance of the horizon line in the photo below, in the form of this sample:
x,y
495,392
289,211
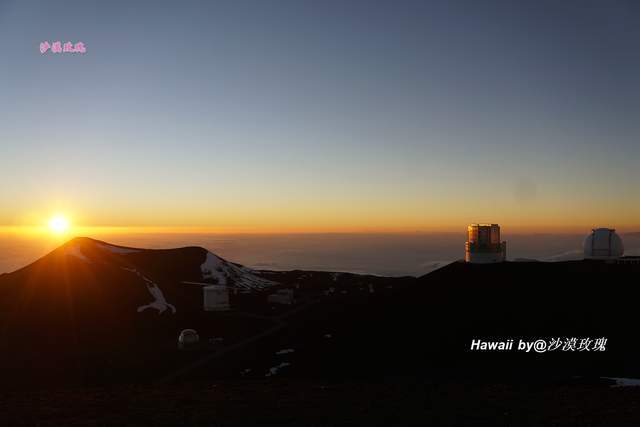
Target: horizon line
x,y
87,231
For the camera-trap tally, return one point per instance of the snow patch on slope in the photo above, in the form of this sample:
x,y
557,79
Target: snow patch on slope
x,y
624,382
212,268
273,371
222,272
159,302
76,251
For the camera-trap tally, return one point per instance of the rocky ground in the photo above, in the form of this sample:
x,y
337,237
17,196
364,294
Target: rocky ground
x,y
284,402
351,350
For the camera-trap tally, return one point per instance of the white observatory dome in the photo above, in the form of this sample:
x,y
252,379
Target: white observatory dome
x,y
603,243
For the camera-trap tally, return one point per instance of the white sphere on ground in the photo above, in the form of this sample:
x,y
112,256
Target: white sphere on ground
x,y
188,337
603,243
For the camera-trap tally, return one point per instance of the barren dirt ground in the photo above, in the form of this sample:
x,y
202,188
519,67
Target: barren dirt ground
x,y
284,402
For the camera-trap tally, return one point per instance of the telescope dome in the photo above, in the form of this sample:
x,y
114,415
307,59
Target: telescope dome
x,y
603,243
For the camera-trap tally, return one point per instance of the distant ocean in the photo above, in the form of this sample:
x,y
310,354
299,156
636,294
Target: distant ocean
x,y
380,254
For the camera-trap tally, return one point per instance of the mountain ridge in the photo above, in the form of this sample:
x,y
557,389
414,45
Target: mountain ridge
x,y
214,269
89,304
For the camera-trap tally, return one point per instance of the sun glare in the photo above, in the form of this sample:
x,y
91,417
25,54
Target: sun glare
x,y
58,224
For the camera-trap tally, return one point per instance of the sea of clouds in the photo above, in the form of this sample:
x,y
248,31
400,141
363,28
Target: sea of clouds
x,y
380,254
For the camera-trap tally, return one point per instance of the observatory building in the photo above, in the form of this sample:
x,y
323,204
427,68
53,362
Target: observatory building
x,y
603,244
216,298
484,245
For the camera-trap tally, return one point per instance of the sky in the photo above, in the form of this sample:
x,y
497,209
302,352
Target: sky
x,y
322,116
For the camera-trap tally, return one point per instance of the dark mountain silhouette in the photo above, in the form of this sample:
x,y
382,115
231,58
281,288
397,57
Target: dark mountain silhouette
x,y
95,313
424,327
88,298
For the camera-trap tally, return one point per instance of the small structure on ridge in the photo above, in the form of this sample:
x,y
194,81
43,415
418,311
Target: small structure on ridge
x,y
484,245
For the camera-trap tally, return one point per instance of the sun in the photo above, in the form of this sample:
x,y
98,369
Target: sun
x,y
58,224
